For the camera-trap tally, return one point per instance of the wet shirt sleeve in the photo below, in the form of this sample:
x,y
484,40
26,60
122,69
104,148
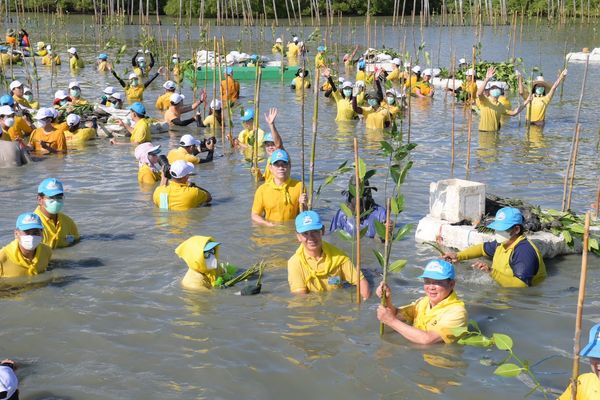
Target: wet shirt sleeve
x,y
295,275
524,262
257,206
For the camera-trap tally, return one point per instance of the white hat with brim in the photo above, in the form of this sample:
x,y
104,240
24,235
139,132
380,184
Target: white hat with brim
x,y
118,96
6,110
132,76
427,72
73,84
73,119
346,84
470,72
416,69
181,169
188,140
540,81
462,61
169,85
44,113
60,94
176,98
146,148
15,84
72,50
215,104
109,90
397,61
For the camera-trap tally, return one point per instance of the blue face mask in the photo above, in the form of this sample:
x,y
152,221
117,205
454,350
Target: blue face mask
x,y
75,92
495,93
347,92
539,90
373,102
391,100
54,206
64,102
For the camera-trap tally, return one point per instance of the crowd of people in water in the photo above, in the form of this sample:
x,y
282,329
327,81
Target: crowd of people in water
x,y
377,96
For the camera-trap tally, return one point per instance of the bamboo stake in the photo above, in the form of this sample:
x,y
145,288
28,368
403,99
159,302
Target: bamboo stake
x,y
314,138
214,91
256,118
562,83
357,212
386,256
597,212
580,300
221,96
453,115
302,158
228,108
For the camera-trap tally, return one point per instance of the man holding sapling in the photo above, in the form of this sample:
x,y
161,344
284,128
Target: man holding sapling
x,y
432,318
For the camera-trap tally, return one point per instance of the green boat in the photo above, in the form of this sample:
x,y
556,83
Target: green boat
x,y
242,73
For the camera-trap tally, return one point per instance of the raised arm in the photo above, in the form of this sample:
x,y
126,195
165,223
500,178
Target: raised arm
x,y
151,59
355,106
560,78
153,77
488,75
133,59
121,81
517,110
270,118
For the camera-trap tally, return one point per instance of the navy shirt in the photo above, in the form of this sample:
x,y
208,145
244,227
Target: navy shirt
x,y
523,260
340,221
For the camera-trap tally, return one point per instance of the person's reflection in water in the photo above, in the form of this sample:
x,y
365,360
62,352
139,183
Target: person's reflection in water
x,y
535,137
487,152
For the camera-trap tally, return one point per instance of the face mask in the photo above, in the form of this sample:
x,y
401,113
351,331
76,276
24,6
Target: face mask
x,y
174,61
54,206
63,102
391,100
301,75
539,90
75,92
501,236
372,102
495,93
347,92
8,122
134,83
142,64
28,97
211,262
30,242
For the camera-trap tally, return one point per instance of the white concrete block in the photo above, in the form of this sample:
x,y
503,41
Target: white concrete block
x,y
455,200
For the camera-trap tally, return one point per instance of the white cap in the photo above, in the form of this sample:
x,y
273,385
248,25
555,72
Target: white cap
x,y
73,119
392,91
145,148
407,65
295,39
278,40
215,104
427,71
175,56
49,47
132,76
181,169
169,85
176,98
9,382
72,50
469,72
118,96
396,61
540,78
44,113
27,90
6,110
416,69
346,84
360,83
188,140
140,58
109,90
15,84
60,94
462,61
73,84
301,44
341,79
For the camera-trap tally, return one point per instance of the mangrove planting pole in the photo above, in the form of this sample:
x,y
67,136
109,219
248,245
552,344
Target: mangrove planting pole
x,y
386,255
313,146
357,211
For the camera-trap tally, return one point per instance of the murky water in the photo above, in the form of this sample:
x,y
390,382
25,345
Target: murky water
x,y
110,320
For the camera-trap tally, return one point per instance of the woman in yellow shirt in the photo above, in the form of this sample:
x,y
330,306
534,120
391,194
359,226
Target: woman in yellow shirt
x,y
133,90
147,156
47,139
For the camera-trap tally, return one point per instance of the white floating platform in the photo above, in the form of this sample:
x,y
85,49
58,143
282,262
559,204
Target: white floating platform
x,y
463,236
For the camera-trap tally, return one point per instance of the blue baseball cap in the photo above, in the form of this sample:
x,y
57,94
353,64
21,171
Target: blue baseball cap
x,y
138,108
103,56
51,187
268,137
248,115
506,218
308,221
321,48
29,220
211,245
593,347
229,70
362,64
254,57
280,155
7,100
438,270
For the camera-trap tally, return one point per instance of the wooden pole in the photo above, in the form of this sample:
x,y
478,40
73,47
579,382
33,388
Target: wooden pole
x,y
357,212
256,118
302,155
386,256
580,299
313,148
219,50
214,96
597,212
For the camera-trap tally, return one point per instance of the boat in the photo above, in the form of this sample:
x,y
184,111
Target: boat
x,y
582,56
243,73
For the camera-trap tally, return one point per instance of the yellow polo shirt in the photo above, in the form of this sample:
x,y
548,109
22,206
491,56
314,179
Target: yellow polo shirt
x,y
394,76
292,54
76,63
56,139
62,234
210,121
19,129
13,264
447,315
180,154
247,134
147,175
588,388
375,119
345,112
536,110
178,197
278,203
164,101
80,135
324,273
135,94
489,114
141,131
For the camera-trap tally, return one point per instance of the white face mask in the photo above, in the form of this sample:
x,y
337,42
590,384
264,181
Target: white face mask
x,y
211,262
501,236
30,242
9,121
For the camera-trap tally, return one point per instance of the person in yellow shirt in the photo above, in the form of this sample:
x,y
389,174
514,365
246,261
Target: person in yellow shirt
x,y
280,198
204,270
41,49
467,92
102,64
7,120
278,47
22,126
504,100
147,156
164,100
177,68
375,116
47,139
542,96
516,261
490,109
320,58
300,80
59,229
432,318
424,88
28,96
393,103
51,59
230,88
140,132
292,52
26,255
246,137
138,63
360,92
176,110
133,90
75,94
177,193
412,77
343,100
588,385
76,133
75,62
189,150
17,92
214,119
395,75
361,74
272,142
318,266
